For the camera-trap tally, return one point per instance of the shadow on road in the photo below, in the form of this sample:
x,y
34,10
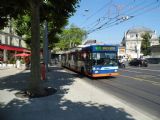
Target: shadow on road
x,y
53,107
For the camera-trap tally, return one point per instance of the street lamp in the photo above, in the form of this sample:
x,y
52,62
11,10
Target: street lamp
x,y
45,45
137,49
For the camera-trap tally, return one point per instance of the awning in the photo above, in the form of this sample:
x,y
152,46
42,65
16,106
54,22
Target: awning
x,y
22,55
13,48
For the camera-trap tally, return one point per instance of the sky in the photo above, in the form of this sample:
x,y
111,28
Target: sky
x,y
93,14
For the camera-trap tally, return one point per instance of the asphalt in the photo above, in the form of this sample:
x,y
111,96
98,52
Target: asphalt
x,y
75,99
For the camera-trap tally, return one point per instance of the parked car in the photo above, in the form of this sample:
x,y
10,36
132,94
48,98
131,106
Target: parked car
x,y
153,60
138,62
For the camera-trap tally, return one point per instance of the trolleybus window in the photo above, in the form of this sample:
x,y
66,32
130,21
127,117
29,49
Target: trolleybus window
x,y
107,59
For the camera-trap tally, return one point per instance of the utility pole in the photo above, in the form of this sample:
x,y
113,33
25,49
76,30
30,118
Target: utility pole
x,y
137,49
7,41
10,31
45,45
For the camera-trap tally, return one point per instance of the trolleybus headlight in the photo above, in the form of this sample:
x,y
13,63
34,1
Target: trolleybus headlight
x,y
96,71
98,68
94,68
115,70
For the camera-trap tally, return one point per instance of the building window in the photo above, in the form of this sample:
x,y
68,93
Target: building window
x,y
131,35
6,40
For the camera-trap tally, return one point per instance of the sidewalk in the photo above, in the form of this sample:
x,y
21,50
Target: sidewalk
x,y
75,99
4,72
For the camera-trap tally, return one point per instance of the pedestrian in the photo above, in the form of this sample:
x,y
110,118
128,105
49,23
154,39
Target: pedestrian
x,y
18,64
56,60
121,63
27,63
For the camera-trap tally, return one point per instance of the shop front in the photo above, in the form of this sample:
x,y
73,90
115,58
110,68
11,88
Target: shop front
x,y
7,53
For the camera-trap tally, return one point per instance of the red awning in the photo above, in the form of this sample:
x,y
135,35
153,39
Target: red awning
x,y
13,48
22,55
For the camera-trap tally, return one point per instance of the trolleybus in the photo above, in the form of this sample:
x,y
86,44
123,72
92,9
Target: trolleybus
x,y
93,60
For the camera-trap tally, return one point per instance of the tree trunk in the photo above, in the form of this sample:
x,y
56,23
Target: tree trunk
x,y
35,83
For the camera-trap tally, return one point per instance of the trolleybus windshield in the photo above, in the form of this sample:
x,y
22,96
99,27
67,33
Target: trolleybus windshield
x,y
104,58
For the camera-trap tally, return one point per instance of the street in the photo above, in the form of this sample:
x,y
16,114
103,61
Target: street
x,y
136,86
134,95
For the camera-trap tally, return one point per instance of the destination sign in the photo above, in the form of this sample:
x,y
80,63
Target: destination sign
x,y
103,48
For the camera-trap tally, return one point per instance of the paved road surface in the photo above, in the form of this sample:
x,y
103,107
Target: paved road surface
x,y
136,86
74,100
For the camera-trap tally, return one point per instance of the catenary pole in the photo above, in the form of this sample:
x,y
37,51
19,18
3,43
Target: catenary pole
x,y
45,45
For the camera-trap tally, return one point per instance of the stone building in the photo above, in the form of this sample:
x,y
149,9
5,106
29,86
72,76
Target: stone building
x,y
155,51
10,44
132,41
11,38
121,52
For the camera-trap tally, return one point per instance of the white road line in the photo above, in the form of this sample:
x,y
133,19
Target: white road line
x,y
144,69
131,71
141,79
141,72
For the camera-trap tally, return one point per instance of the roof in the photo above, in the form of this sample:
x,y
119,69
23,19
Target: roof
x,y
11,35
93,42
139,29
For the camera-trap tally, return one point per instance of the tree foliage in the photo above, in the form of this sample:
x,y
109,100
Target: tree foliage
x,y
71,37
55,11
145,45
22,26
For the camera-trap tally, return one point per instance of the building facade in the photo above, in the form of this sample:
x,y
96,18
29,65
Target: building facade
x,y
11,39
121,52
10,44
133,38
155,51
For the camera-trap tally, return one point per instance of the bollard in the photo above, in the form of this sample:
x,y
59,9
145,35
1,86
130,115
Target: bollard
x,y
43,71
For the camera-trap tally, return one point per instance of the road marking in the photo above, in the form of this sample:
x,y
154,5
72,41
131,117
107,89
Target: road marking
x,y
144,69
155,76
141,79
131,71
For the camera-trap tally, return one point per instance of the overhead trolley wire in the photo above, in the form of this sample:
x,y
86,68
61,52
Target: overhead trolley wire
x,y
100,9
149,10
138,14
116,17
109,19
117,21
